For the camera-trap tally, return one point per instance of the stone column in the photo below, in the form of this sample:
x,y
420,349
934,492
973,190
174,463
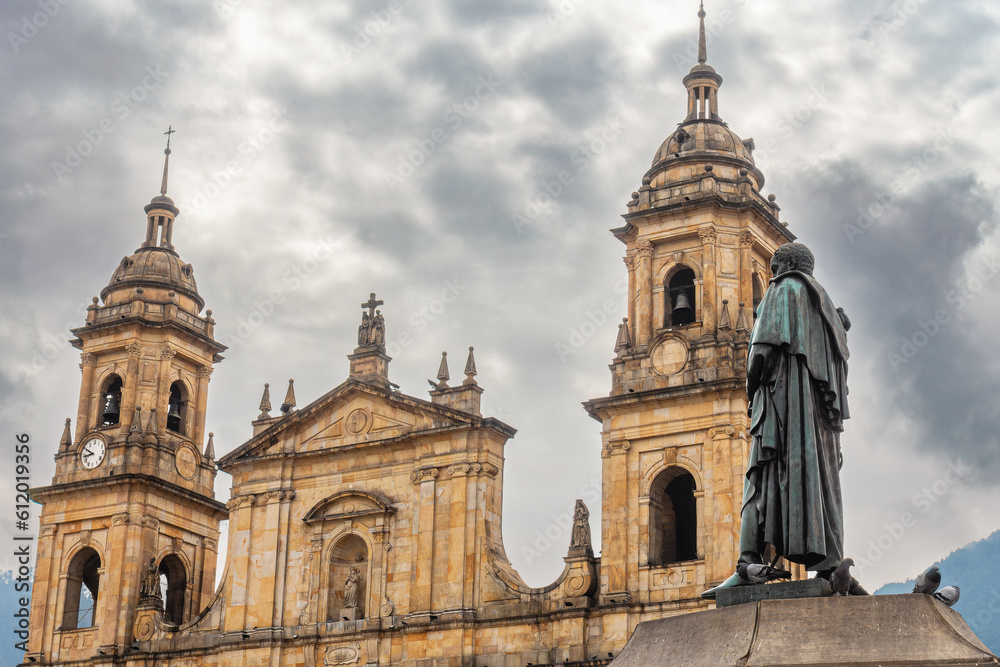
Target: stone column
x,y
87,361
42,619
423,538
163,389
746,275
644,284
197,421
629,260
722,538
614,521
709,291
239,562
130,391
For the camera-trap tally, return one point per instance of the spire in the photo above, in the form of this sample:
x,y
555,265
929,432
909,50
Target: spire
x,y
265,403
443,375
210,447
171,130
470,368
702,52
66,440
289,402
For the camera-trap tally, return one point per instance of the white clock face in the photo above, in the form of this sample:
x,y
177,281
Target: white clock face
x,y
92,453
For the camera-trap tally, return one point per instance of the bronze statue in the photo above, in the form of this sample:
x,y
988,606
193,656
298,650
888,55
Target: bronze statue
x,y
797,384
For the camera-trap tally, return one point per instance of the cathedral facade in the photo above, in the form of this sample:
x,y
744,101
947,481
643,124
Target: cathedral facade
x,y
365,527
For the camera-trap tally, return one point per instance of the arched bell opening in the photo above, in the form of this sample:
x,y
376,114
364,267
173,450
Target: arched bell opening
x,y
111,401
173,588
82,588
680,307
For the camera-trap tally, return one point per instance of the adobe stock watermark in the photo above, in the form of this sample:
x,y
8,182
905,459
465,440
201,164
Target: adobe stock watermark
x,y
550,190
560,528
594,320
922,501
419,321
31,25
898,15
292,279
121,108
49,346
454,117
370,28
958,298
562,10
246,152
901,180
792,122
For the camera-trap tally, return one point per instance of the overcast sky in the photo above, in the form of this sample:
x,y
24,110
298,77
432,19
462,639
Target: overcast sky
x,y
327,150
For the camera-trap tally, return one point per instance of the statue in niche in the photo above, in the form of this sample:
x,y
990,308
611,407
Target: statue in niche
x,y
581,527
351,588
797,385
150,588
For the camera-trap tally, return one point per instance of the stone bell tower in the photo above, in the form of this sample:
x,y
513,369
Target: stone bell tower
x,y
698,236
132,495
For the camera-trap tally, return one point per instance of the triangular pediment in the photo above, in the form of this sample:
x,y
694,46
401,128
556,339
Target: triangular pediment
x,y
351,414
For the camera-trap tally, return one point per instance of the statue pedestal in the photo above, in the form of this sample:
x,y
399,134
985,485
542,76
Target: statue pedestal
x,y
863,631
347,614
784,590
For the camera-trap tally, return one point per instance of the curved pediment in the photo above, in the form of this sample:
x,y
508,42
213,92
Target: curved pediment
x,y
349,504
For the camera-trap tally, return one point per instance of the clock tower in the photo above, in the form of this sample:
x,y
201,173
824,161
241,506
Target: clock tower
x,y
130,521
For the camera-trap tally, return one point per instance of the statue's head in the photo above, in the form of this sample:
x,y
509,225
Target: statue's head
x,y
792,257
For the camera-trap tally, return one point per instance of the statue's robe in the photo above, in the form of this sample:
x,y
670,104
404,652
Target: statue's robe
x,y
798,363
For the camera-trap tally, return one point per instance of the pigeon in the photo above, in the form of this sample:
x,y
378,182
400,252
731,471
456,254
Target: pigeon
x,y
841,578
757,573
948,595
928,582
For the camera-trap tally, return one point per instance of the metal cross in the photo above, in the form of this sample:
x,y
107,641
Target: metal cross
x,y
170,130
371,304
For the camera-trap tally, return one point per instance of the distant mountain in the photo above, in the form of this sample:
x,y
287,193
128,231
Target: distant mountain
x,y
974,569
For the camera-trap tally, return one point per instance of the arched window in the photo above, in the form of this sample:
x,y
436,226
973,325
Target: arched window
x,y
758,294
82,584
111,402
173,588
348,579
176,407
673,518
679,308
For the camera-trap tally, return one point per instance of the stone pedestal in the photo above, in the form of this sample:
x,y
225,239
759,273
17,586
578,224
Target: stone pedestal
x,y
785,590
863,631
347,614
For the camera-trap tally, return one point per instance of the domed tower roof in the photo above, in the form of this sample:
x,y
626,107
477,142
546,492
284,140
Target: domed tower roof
x,y
703,138
155,270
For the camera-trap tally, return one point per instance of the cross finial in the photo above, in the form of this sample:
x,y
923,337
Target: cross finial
x,y
372,304
166,160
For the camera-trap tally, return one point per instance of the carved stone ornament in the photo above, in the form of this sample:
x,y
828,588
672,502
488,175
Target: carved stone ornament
x,y
629,260
617,447
205,372
386,609
723,431
122,519
151,521
88,358
240,501
344,654
708,235
746,240
49,529
644,248
210,544
423,475
134,350
176,544
84,538
167,352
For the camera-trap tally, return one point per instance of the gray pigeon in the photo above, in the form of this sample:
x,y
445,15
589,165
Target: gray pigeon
x,y
948,595
841,578
928,582
757,573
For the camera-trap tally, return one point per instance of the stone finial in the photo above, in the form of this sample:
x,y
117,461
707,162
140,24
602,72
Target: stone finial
x,y
136,421
151,424
289,402
443,375
210,447
265,403
725,322
470,368
741,320
67,439
624,341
